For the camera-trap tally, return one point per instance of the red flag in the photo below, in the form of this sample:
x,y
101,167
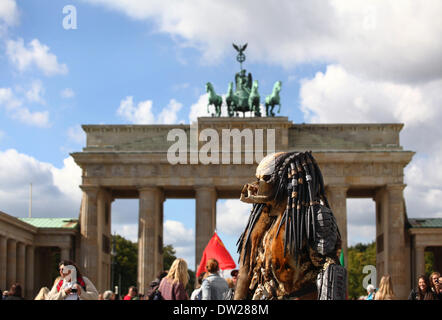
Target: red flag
x,y
215,249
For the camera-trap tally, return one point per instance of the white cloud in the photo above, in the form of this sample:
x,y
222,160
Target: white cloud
x,y
76,135
35,54
379,39
9,14
127,231
339,96
142,112
180,86
68,179
37,118
182,240
361,221
8,99
232,216
67,93
55,191
169,114
199,109
15,109
36,92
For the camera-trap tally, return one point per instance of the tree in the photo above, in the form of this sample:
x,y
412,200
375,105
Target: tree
x,y
359,256
126,261
126,264
168,256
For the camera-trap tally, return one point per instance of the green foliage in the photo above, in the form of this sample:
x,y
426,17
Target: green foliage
x,y
125,263
168,256
359,256
429,262
191,285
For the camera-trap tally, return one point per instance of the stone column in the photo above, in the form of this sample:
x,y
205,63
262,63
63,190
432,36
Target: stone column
x,y
337,198
88,230
21,265
205,219
104,238
11,269
30,272
419,260
395,242
65,253
3,260
150,235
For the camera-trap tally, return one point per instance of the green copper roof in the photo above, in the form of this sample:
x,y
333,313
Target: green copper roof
x,y
426,223
65,223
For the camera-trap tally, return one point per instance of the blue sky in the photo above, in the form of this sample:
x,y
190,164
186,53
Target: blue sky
x,y
365,61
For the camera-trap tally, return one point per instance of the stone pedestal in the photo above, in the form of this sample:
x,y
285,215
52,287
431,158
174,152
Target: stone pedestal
x,y
205,219
150,236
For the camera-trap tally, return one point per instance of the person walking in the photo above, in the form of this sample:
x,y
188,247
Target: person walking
x,y
423,290
72,284
132,294
434,284
371,292
439,286
15,292
154,285
108,295
214,287
385,291
173,286
196,294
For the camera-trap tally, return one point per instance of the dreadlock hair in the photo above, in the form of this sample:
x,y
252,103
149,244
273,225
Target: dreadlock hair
x,y
298,179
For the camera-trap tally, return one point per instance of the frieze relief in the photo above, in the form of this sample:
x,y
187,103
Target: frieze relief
x,y
166,170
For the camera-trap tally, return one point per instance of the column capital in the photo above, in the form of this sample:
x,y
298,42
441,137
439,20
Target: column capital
x,y
396,186
90,189
204,188
337,187
148,188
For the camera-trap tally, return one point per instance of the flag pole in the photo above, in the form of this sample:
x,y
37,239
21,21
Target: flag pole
x,y
30,201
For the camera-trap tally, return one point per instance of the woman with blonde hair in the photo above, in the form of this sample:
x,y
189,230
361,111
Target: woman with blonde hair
x,y
385,291
173,286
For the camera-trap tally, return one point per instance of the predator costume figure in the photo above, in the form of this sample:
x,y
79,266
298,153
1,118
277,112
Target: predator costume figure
x,y
289,248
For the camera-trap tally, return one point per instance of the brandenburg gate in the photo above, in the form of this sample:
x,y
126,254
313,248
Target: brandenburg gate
x,y
131,161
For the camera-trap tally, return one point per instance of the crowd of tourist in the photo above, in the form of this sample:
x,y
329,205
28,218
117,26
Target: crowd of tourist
x,y
428,288
171,284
